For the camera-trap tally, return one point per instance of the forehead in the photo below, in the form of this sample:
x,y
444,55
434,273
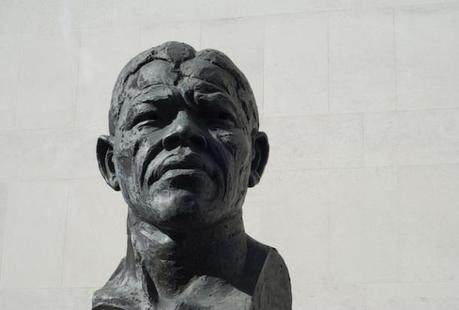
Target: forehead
x,y
202,69
153,73
159,80
185,77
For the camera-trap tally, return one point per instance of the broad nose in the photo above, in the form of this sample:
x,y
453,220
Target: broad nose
x,y
184,132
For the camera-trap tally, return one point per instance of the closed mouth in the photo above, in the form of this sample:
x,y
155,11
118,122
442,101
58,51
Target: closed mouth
x,y
186,164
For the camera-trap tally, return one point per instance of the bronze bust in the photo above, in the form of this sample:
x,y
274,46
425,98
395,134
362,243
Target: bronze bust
x,y
183,148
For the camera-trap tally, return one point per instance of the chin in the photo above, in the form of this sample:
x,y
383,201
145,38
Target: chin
x,y
178,209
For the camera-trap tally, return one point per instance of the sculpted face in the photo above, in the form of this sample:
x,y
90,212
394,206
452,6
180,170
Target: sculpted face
x,y
183,148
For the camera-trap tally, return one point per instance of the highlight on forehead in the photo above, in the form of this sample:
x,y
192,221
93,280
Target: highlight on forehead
x,y
206,71
169,63
153,91
155,72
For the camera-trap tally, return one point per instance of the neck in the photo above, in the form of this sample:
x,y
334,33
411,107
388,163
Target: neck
x,y
169,261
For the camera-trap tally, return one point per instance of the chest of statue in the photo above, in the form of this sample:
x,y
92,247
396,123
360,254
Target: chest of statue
x,y
201,300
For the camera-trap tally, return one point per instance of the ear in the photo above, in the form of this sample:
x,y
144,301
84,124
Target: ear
x,y
260,153
104,151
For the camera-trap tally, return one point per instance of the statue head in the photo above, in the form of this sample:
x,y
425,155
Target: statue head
x,y
184,143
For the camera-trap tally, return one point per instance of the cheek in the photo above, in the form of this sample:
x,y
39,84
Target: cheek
x,y
127,168
133,149
238,147
124,158
124,167
126,154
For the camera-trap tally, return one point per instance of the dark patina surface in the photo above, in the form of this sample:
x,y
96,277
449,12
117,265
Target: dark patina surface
x,y
183,148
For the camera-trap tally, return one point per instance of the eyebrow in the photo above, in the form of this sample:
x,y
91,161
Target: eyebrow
x,y
153,100
207,86
144,101
156,92
216,98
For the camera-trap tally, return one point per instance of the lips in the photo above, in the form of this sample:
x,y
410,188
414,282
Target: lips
x,y
188,161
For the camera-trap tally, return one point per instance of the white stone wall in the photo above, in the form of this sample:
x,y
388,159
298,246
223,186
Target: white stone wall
x,y
360,99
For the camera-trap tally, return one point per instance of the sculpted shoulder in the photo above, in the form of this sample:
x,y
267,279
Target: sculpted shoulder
x,y
265,280
272,290
122,291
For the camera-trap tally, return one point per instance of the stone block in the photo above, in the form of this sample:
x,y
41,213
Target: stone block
x,y
47,81
321,141
362,61
156,34
412,138
364,225
94,234
427,58
428,212
296,65
34,235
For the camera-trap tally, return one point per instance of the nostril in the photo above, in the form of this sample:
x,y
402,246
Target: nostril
x,y
199,141
179,138
171,142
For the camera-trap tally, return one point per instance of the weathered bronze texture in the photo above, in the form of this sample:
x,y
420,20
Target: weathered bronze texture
x,y
183,148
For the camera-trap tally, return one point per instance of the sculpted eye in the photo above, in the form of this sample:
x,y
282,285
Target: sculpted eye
x,y
223,118
146,119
